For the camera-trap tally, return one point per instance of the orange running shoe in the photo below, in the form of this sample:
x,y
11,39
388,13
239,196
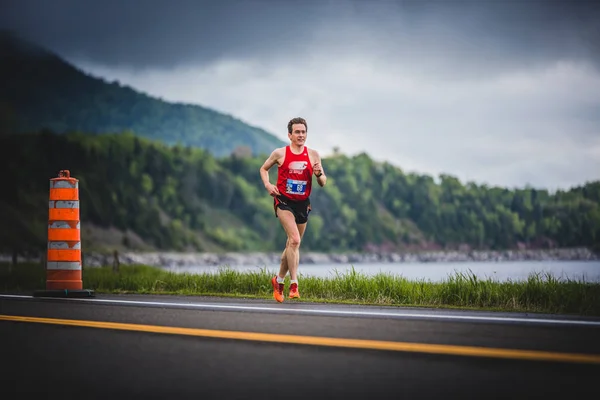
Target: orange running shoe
x,y
277,290
294,291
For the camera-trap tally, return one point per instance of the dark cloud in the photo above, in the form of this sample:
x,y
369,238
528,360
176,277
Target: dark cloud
x,y
153,33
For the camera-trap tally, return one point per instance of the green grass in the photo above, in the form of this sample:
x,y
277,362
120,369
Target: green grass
x,y
539,293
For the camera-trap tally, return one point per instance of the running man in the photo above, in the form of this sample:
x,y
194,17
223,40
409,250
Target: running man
x,y
291,198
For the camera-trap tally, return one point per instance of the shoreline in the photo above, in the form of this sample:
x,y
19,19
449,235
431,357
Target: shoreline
x,y
170,259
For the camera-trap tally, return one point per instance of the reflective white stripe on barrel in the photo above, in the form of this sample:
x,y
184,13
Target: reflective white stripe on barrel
x,y
63,185
64,245
63,204
63,225
70,265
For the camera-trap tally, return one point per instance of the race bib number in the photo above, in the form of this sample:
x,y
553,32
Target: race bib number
x,y
295,187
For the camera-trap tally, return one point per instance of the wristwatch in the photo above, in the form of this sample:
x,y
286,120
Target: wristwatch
x,y
318,176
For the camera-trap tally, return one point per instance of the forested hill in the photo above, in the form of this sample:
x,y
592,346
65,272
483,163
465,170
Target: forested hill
x,y
39,90
142,195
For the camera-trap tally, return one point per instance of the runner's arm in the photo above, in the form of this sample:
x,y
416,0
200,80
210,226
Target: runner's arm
x,y
318,170
264,171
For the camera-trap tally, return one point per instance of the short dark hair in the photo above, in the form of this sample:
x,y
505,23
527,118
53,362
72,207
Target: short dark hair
x,y
296,120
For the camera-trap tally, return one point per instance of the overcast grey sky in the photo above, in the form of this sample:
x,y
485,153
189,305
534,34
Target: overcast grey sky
x,y
504,92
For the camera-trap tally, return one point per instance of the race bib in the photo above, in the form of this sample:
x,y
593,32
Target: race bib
x,y
295,187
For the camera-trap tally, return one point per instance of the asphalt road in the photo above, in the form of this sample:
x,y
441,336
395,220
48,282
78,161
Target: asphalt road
x,y
195,347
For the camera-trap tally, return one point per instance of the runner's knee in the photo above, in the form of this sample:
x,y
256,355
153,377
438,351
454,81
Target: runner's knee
x,y
294,240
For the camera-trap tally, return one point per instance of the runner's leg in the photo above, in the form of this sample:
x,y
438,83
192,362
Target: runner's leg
x,y
292,253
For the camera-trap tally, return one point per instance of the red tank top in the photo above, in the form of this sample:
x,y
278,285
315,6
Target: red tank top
x,y
294,176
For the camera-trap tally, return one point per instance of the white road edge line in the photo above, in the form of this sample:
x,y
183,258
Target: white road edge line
x,y
326,312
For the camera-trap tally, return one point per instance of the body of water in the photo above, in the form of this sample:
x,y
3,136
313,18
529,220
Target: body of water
x,y
588,271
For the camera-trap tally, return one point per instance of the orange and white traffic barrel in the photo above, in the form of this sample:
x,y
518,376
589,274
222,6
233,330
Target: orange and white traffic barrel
x,y
63,261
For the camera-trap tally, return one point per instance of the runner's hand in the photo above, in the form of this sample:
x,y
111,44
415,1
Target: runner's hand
x,y
317,169
272,189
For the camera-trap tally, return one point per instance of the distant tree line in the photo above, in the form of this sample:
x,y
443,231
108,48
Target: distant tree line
x,y
183,198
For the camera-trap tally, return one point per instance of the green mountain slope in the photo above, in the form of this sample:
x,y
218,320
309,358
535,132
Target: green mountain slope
x,y
39,90
160,176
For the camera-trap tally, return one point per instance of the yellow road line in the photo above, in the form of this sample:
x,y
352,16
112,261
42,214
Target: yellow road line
x,y
325,341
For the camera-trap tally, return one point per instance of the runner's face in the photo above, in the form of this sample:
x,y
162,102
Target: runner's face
x,y
298,135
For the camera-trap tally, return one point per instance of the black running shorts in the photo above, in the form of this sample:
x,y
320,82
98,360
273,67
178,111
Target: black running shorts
x,y
300,209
